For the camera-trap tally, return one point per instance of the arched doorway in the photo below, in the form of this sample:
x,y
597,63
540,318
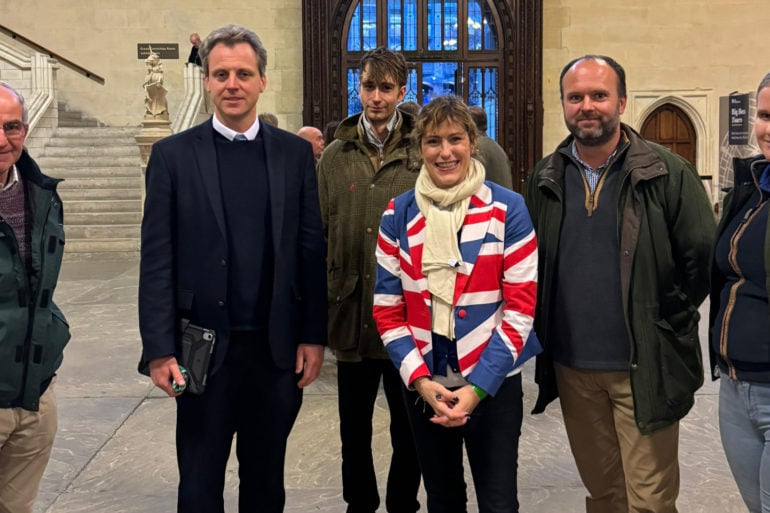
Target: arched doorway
x,y
669,126
487,51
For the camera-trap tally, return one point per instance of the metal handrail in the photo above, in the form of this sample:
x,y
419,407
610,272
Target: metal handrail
x,y
62,60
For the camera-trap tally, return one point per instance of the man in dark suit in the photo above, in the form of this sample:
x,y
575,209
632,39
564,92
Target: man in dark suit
x,y
232,240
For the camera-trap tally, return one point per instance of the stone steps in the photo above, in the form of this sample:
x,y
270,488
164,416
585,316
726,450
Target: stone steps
x,y
92,151
101,218
107,245
102,133
103,206
101,191
94,183
112,141
98,161
102,232
74,118
62,170
92,193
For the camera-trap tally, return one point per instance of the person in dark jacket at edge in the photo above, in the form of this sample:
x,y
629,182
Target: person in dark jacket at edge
x,y
34,331
739,319
624,230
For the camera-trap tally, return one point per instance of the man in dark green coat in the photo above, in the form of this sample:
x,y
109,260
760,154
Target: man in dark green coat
x,y
369,162
496,163
624,232
34,331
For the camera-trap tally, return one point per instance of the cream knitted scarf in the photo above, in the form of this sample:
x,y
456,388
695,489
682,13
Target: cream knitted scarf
x,y
444,211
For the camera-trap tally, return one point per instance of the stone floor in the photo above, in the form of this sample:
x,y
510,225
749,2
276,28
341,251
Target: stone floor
x,y
115,451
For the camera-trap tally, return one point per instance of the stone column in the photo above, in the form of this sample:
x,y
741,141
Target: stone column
x,y
152,130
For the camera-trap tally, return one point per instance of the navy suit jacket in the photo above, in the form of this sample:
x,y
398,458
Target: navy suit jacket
x,y
184,253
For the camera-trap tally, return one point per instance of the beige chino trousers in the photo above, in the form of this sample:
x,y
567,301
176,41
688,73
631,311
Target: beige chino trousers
x,y
623,470
26,440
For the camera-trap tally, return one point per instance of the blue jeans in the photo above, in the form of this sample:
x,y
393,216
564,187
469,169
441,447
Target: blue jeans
x,y
744,425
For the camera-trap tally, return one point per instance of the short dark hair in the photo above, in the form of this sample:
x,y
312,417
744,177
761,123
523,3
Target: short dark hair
x,y
765,82
612,63
479,116
440,109
231,35
383,63
329,130
410,107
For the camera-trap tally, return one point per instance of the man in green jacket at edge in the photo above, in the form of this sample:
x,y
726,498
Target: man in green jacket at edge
x,y
624,232
369,162
34,331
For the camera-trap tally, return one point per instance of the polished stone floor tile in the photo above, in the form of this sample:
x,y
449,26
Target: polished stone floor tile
x,y
114,452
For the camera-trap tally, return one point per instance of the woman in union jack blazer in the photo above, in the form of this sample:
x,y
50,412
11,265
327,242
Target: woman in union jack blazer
x,y
454,303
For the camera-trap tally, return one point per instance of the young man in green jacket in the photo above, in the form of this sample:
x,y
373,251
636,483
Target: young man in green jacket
x,y
369,162
34,330
624,232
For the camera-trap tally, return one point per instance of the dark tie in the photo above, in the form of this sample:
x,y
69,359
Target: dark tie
x,y
240,137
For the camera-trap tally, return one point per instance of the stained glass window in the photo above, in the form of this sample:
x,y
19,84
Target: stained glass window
x,y
482,91
435,24
450,25
410,25
394,24
434,39
362,34
411,87
490,30
438,78
354,32
402,25
482,34
354,100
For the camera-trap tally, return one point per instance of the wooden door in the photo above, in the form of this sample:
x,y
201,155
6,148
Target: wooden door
x,y
669,126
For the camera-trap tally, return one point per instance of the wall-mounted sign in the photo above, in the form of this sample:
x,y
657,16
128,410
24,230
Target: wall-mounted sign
x,y
738,127
164,50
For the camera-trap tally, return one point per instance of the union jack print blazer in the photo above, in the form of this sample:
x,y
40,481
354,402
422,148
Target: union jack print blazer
x,y
495,291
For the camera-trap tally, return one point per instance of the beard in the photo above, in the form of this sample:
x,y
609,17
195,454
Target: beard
x,y
594,136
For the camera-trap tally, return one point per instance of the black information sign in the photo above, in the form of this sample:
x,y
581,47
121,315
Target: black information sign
x,y
738,128
164,50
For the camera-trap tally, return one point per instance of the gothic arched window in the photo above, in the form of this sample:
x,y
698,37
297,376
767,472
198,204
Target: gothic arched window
x,y
451,46
486,51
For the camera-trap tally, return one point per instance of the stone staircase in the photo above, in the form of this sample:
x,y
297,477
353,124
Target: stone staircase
x,y
74,118
101,168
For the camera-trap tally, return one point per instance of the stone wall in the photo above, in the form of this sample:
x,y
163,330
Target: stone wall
x,y
102,37
34,76
684,51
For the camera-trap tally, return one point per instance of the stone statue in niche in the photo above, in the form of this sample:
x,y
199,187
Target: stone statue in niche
x,y
155,103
